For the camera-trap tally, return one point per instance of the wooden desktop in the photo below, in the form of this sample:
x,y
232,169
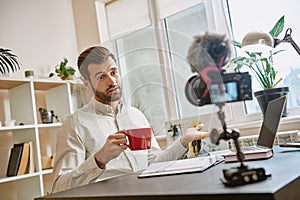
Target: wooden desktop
x,y
284,183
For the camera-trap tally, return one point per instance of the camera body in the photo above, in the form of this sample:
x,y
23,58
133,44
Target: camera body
x,y
229,87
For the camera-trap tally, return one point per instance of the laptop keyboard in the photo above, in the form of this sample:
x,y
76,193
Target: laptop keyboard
x,y
250,148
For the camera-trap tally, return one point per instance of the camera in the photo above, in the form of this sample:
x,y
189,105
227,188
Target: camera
x,y
219,88
207,56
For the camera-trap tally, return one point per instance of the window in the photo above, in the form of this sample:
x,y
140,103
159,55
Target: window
x,y
256,15
153,60
180,35
140,54
141,75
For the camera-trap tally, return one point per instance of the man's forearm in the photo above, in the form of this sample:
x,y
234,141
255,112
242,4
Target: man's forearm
x,y
86,173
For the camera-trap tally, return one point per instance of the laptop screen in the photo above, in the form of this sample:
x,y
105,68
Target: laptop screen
x,y
271,122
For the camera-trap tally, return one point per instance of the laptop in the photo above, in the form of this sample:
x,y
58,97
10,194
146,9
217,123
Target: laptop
x,y
268,130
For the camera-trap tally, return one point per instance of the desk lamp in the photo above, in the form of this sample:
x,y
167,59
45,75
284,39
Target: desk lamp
x,y
287,38
254,38
253,41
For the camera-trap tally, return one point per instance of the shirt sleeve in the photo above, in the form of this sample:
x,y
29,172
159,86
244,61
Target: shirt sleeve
x,y
173,152
71,168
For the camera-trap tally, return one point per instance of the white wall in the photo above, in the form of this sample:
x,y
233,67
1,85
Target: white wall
x,y
40,32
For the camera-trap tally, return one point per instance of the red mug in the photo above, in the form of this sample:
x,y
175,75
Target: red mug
x,y
139,138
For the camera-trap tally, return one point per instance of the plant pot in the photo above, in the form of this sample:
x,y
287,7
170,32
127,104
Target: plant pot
x,y
46,117
264,96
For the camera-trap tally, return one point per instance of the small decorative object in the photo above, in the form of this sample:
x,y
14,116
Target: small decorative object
x,y
47,162
195,145
63,71
47,115
195,123
8,61
29,73
175,128
10,122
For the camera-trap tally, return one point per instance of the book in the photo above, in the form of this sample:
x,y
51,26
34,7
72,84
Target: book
x,y
30,166
21,159
195,164
24,159
14,160
290,144
263,153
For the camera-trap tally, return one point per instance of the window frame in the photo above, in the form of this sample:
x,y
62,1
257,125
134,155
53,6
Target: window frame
x,y
237,118
242,119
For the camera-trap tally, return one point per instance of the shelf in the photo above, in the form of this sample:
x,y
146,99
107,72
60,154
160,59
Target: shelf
x,y
11,128
20,99
39,84
11,83
14,178
57,124
47,171
45,85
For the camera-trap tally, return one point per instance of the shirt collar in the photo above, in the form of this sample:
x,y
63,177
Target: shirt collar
x,y
104,109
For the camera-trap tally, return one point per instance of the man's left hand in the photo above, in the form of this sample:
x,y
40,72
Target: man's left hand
x,y
193,134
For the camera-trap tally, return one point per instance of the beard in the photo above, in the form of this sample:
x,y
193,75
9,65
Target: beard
x,y
106,97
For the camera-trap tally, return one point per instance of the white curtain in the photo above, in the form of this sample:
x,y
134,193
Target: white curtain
x,y
166,8
122,16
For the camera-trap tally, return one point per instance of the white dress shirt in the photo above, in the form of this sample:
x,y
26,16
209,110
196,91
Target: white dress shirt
x,y
84,133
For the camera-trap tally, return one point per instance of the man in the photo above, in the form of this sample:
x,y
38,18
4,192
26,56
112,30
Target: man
x,y
91,144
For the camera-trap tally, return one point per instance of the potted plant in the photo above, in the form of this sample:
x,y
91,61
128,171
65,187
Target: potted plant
x,y
263,70
47,115
63,71
175,129
8,61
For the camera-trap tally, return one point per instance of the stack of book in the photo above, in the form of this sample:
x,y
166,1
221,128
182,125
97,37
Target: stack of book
x,y
21,159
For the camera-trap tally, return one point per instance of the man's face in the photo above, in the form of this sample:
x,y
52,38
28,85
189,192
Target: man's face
x,y
105,81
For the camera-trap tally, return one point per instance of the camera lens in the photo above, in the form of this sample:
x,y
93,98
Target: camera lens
x,y
194,90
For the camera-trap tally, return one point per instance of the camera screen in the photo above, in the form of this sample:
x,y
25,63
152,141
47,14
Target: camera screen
x,y
225,92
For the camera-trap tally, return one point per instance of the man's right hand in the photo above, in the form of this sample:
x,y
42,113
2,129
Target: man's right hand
x,y
114,145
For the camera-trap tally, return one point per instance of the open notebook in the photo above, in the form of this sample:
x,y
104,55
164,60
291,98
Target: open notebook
x,y
195,164
268,130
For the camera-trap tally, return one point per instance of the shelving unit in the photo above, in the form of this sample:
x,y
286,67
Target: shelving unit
x,y
20,100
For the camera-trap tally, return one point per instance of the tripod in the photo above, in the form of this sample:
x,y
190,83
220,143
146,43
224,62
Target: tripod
x,y
240,175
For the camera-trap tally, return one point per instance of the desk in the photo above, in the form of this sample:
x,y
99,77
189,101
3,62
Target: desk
x,y
284,183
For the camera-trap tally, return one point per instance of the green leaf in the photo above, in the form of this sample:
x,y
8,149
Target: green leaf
x,y
278,28
275,84
276,52
237,44
8,61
